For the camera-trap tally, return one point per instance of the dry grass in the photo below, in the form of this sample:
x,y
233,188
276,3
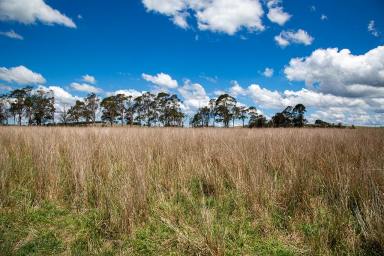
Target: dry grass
x,y
314,191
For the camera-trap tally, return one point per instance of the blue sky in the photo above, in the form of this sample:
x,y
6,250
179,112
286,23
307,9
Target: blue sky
x,y
199,48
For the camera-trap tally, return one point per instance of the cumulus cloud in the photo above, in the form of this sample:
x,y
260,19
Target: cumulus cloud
x,y
63,99
89,79
193,95
127,92
236,89
276,13
162,80
300,36
372,29
31,11
84,87
325,106
340,72
21,75
224,16
268,72
12,34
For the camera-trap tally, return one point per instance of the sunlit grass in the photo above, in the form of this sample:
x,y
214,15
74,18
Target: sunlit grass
x,y
218,191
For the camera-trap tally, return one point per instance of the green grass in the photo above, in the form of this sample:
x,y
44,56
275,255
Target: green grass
x,y
198,222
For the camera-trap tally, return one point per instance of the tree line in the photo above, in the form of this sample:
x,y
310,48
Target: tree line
x,y
225,110
37,107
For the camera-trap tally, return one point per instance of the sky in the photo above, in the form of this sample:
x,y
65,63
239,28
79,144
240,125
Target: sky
x,y
327,55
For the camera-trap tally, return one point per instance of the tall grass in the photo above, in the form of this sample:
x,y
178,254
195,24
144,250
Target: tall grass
x,y
204,191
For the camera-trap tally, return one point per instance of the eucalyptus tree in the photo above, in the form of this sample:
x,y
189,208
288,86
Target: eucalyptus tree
x,y
145,107
130,109
169,111
63,115
76,112
120,101
91,105
298,115
243,114
3,109
18,98
212,110
235,114
110,109
224,105
43,107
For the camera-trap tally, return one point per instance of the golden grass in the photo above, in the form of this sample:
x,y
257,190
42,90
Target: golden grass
x,y
320,191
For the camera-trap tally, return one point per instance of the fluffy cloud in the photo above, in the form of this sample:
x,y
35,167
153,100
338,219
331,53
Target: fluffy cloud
x,y
63,99
328,107
21,75
162,80
31,11
372,28
276,13
194,96
85,88
127,92
236,89
89,79
286,38
268,72
12,34
224,16
340,72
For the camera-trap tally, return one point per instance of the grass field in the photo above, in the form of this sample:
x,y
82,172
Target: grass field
x,y
158,191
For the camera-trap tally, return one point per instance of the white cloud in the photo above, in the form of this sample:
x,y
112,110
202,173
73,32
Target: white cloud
x,y
162,80
127,92
224,16
372,28
89,79
264,97
276,13
229,16
328,107
12,34
193,96
21,75
85,88
286,38
340,72
31,11
268,72
62,97
180,20
323,17
236,89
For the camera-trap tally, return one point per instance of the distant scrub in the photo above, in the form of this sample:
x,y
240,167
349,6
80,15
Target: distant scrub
x,y
147,191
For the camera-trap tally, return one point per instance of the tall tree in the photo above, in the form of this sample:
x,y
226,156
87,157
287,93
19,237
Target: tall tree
x,y
91,106
243,114
212,110
110,109
224,105
43,107
76,112
3,109
64,116
19,97
298,115
120,100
